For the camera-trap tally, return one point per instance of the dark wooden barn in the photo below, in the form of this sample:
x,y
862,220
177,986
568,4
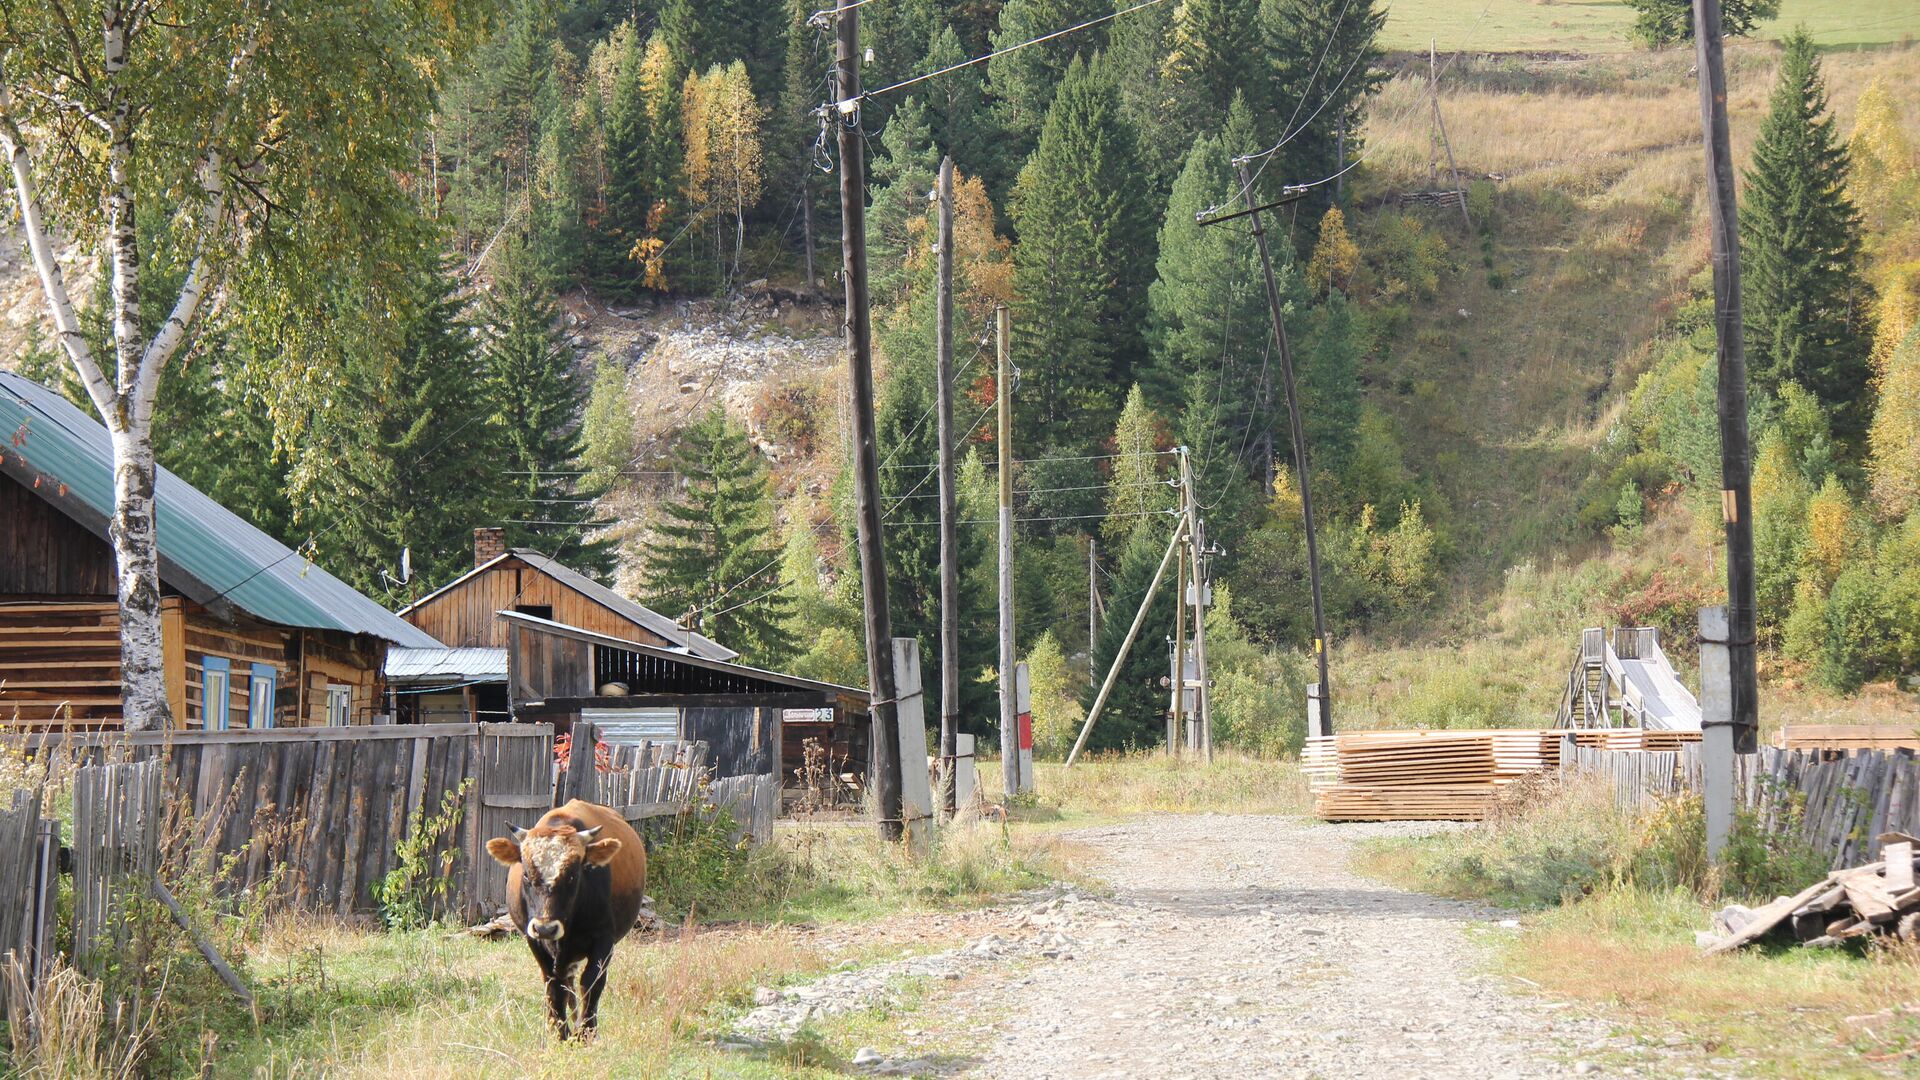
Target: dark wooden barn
x,y
753,721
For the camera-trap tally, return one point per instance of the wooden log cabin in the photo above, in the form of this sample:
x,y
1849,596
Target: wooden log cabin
x,y
254,635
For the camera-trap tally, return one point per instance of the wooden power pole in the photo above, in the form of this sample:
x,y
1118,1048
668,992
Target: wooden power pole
x,y
866,474
1300,470
1009,709
1093,602
1433,92
1736,728
1176,718
949,516
1196,556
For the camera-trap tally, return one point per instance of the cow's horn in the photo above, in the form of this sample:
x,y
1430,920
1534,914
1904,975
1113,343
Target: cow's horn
x,y
587,835
519,833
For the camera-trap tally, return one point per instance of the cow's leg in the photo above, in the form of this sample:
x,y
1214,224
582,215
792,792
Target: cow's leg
x,y
558,992
592,981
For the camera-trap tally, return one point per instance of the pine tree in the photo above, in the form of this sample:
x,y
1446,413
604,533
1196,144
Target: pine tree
x,y
411,453
1806,303
528,374
1660,23
1083,262
716,552
1135,712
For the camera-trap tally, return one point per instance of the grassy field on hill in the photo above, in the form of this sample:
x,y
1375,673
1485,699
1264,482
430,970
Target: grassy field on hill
x,y
1602,25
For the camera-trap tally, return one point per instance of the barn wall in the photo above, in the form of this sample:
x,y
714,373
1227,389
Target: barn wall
x,y
43,552
463,616
740,741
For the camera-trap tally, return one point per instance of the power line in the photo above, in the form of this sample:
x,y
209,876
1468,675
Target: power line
x,y
848,105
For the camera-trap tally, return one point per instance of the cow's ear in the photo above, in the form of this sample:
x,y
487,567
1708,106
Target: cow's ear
x,y
601,852
504,850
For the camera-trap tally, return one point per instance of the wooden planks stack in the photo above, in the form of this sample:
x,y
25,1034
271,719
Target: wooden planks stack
x,y
1847,737
1878,898
1421,775
1655,740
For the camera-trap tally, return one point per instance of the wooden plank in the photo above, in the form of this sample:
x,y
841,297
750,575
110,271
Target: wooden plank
x,y
1899,862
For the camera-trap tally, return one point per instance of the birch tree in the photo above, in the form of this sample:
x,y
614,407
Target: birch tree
x,y
239,143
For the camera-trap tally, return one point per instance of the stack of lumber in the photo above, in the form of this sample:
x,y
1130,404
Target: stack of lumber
x,y
1847,737
1421,775
1634,739
1878,898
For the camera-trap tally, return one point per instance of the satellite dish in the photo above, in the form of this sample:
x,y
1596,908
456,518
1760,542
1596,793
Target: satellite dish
x,y
406,565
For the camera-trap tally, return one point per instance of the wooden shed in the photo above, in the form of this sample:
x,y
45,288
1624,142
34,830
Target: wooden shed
x,y
254,635
461,613
557,673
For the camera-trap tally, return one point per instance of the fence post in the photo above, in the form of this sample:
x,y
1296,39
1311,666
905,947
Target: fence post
x,y
1716,722
916,789
1316,716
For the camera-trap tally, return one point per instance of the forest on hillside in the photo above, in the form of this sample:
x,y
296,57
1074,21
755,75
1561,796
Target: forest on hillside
x,y
655,151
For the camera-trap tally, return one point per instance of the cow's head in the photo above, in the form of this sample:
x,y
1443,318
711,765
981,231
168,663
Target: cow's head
x,y
550,858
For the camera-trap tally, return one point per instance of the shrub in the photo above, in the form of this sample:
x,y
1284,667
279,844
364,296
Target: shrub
x,y
418,885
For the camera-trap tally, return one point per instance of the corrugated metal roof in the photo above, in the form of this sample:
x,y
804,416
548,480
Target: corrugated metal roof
x,y
206,550
680,658
464,665
640,614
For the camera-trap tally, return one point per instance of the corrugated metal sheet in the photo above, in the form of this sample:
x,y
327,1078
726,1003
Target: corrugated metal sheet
x,y
625,727
206,551
464,665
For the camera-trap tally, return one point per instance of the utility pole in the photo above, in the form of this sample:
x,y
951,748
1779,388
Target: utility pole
x,y
949,516
1126,643
866,475
1003,389
1301,474
1176,716
1093,600
1739,732
1196,553
1433,91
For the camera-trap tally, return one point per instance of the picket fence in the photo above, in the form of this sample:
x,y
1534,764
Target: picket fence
x,y
1838,802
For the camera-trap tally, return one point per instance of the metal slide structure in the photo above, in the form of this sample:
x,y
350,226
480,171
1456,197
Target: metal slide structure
x,y
1626,682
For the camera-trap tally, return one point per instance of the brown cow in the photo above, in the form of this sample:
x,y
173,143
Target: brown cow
x,y
574,888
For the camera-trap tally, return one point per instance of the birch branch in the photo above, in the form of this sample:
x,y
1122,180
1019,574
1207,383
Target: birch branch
x,y
52,281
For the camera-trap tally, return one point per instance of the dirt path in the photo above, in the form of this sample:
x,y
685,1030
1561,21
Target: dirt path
x,y
1244,947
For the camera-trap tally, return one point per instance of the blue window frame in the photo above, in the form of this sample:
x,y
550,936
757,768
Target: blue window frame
x,y
260,687
216,690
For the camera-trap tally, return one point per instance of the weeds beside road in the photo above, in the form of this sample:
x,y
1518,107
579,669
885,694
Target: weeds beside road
x,y
1618,897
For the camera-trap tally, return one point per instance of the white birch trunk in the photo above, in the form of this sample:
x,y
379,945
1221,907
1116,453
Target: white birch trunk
x,y
136,552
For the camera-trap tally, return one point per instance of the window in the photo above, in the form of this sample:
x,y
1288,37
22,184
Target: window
x,y
260,696
538,611
339,705
215,685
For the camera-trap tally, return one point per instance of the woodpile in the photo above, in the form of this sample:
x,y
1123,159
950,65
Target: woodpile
x,y
1652,739
1421,775
1847,737
1878,898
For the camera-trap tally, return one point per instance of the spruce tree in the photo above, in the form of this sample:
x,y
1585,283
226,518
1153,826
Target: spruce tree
x,y
957,116
411,452
1135,712
1138,484
702,33
716,553
1151,97
629,191
1324,64
1806,303
1660,23
1216,49
903,176
1024,82
1083,262
1329,359
528,374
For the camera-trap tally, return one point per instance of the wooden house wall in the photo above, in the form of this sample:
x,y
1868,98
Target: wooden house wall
x,y
541,666
741,741
43,552
463,616
60,665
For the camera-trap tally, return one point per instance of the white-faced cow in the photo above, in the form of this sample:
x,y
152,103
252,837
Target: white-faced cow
x,y
575,882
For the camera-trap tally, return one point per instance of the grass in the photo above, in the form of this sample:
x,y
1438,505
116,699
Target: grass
x,y
1568,26
1112,786
1618,898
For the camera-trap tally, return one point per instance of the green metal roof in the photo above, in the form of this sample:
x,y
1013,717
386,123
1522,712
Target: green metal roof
x,y
206,551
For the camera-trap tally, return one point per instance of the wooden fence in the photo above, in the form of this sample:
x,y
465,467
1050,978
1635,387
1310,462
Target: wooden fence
x,y
119,816
29,876
1839,803
315,814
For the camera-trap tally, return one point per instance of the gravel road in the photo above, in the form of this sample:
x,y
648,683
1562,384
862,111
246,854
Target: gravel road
x,y
1244,947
